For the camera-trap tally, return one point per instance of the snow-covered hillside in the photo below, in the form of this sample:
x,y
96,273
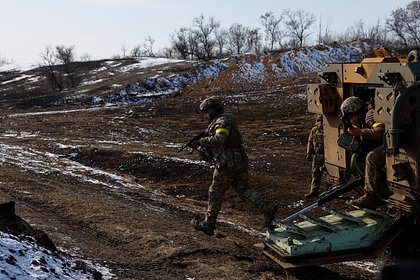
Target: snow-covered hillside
x,y
232,73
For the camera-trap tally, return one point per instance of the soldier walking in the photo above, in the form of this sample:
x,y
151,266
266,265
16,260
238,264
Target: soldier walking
x,y
223,147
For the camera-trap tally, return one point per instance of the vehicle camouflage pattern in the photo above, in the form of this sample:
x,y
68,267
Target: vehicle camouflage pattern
x,y
391,85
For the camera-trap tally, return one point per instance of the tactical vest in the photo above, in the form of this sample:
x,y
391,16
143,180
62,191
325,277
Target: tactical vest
x,y
318,140
232,151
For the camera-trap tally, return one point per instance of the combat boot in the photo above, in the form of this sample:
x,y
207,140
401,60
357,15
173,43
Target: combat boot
x,y
270,210
369,201
203,226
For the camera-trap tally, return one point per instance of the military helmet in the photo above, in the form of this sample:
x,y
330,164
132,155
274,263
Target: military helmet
x,y
352,106
211,105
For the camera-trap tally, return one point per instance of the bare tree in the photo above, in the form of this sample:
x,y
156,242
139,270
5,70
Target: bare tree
x,y
3,61
167,52
413,22
298,24
237,37
66,56
59,66
396,24
205,35
253,39
85,57
222,40
148,46
272,31
47,67
324,32
377,34
124,50
357,31
180,42
194,46
136,51
404,23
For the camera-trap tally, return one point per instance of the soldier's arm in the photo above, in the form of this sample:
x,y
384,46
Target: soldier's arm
x,y
218,139
375,133
310,145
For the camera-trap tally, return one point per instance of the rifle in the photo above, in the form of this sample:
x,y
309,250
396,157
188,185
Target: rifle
x,y
195,138
328,196
346,140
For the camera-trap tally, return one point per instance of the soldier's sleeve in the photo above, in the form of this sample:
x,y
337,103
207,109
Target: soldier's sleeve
x,y
218,138
310,146
376,132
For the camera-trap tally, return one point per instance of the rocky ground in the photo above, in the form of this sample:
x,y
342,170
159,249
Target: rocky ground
x,y
108,184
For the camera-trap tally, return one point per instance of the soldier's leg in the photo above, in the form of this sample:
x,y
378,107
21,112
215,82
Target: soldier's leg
x,y
317,165
216,191
219,185
375,177
245,192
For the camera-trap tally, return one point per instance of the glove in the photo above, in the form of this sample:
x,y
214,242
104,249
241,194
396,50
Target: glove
x,y
309,157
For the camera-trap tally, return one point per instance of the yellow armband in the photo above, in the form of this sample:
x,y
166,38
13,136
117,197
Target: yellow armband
x,y
222,130
376,124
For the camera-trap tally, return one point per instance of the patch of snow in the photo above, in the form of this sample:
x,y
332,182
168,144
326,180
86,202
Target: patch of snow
x,y
45,163
112,63
64,146
148,62
21,259
251,72
103,68
20,134
374,267
88,83
296,204
24,76
34,79
54,112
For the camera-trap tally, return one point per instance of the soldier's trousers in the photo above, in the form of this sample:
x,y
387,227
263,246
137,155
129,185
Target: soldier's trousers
x,y
237,177
317,165
375,177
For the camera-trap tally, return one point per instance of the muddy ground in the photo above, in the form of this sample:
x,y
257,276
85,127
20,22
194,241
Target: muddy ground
x,y
108,184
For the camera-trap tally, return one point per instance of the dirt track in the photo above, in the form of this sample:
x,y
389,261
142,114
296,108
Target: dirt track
x,y
109,185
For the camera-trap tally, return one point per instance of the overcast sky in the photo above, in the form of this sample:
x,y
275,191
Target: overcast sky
x,y
100,27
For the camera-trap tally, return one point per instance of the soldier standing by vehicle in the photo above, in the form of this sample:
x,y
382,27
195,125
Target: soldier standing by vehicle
x,y
223,146
315,153
371,135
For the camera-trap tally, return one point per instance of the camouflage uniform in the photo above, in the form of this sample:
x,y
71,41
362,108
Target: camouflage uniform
x,y
371,135
225,145
315,152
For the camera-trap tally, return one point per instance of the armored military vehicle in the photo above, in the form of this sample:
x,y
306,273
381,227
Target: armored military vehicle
x,y
391,85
